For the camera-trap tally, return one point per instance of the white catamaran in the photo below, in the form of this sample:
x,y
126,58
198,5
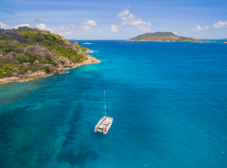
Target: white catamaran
x,y
104,123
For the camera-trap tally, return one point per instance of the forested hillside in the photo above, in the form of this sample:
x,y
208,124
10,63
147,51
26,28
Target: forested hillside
x,y
26,50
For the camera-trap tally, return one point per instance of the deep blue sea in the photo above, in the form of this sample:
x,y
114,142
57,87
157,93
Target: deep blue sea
x,y
168,102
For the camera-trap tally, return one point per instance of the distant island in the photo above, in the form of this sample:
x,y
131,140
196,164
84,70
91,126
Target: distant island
x,y
27,53
163,36
223,39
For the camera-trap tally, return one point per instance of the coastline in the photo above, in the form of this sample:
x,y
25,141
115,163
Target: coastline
x,y
42,74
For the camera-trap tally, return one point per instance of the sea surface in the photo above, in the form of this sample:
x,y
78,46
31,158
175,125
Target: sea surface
x,y
168,101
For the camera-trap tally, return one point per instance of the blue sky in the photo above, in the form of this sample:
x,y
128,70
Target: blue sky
x,y
118,19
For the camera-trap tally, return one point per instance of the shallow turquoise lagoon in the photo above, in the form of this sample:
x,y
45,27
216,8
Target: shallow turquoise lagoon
x,y
168,101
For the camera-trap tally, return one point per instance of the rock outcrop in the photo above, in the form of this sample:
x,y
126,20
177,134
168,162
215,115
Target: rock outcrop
x,y
15,35
37,74
26,65
14,74
36,62
52,67
11,57
40,51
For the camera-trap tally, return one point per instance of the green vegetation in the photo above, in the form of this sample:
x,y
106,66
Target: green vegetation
x,y
24,70
32,58
53,43
34,68
21,60
4,62
80,47
5,37
6,70
45,39
72,55
48,60
47,69
6,46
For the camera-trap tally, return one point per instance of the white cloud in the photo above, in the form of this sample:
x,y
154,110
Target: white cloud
x,y
90,23
206,28
199,28
114,28
128,28
220,24
134,21
175,33
99,32
85,27
21,25
73,26
123,13
4,26
65,31
43,26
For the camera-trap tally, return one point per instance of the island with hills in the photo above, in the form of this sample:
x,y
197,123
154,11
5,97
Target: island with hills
x,y
165,37
27,53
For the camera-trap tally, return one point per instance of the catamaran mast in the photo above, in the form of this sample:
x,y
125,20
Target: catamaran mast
x,y
104,123
105,102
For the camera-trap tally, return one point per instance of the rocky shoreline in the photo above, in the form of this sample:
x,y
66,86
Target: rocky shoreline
x,y
42,73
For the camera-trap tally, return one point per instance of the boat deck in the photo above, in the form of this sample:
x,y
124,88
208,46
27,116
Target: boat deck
x,y
104,125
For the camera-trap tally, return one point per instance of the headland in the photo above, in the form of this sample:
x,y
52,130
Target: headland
x,y
27,53
164,37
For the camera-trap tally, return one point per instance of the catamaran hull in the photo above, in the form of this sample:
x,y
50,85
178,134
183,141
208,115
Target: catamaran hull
x,y
104,125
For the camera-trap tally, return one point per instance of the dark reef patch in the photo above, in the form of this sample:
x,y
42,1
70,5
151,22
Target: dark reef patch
x,y
70,152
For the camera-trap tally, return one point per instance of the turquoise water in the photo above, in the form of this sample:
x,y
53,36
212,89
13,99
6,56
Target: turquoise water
x,y
168,101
